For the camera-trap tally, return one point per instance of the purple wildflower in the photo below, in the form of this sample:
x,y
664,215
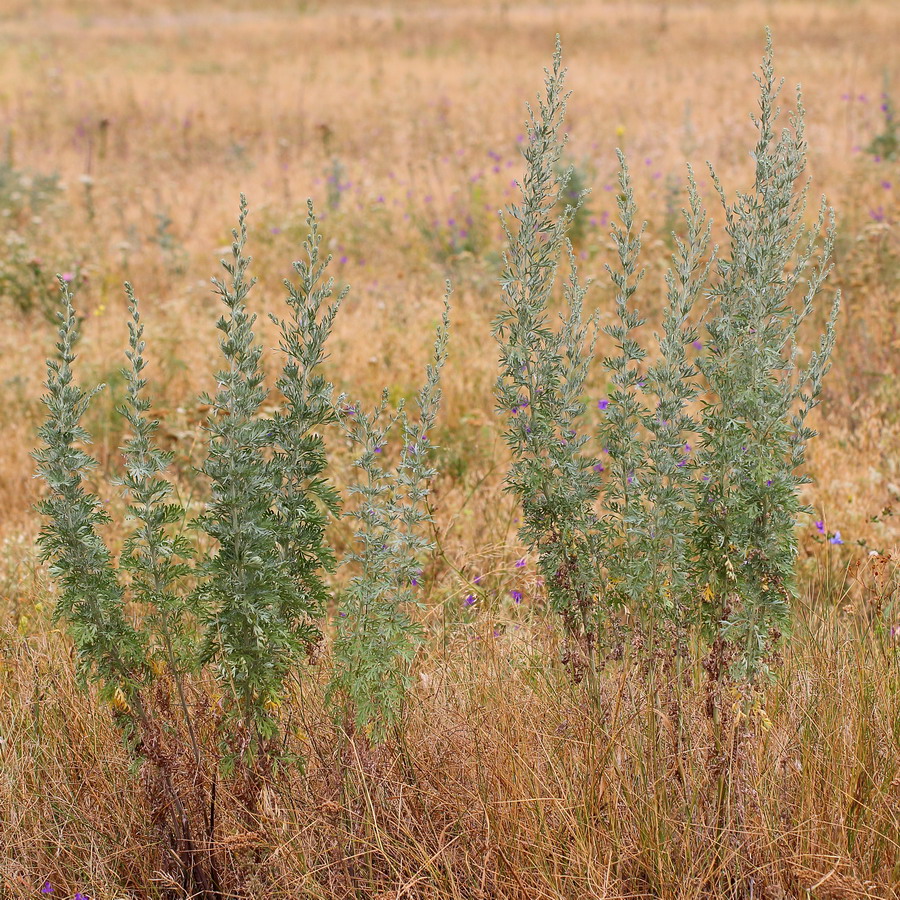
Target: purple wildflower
x,y
516,595
470,600
46,888
477,579
820,526
836,538
697,345
520,563
602,404
599,468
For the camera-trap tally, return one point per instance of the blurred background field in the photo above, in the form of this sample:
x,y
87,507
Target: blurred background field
x,y
128,130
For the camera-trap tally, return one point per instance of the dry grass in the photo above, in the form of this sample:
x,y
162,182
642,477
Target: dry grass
x,y
509,781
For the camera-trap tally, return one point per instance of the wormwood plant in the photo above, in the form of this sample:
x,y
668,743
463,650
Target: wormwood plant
x,y
122,658
684,514
376,638
261,592
238,591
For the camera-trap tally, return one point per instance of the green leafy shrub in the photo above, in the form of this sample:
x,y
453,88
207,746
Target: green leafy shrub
x,y
257,600
240,591
376,637
685,512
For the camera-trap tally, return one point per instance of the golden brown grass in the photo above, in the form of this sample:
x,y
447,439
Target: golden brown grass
x,y
509,781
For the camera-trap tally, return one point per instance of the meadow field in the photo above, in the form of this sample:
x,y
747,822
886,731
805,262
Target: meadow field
x,y
130,128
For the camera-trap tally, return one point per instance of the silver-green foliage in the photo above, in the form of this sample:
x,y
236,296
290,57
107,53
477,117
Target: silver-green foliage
x,y
249,604
543,375
687,512
375,637
255,599
754,429
109,649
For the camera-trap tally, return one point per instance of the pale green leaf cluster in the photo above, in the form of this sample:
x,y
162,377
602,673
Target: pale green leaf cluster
x,y
376,638
685,511
239,589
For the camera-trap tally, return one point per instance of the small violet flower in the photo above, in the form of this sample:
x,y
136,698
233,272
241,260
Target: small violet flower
x,y
602,404
820,526
516,595
470,600
46,888
520,563
836,538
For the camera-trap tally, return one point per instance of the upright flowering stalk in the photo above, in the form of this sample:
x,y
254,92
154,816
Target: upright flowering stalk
x,y
156,558
110,651
375,636
621,430
754,427
251,602
672,388
540,391
304,497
